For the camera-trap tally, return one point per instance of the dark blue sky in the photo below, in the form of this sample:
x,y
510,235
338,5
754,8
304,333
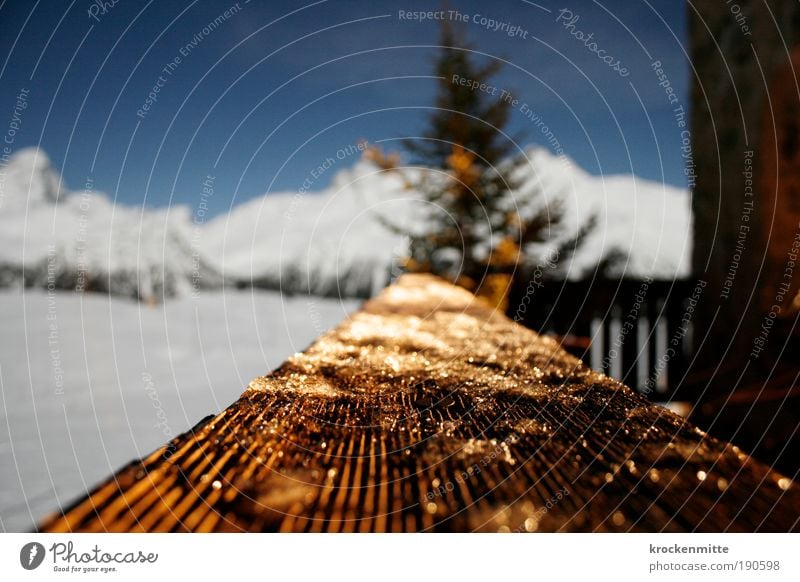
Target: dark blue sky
x,y
277,87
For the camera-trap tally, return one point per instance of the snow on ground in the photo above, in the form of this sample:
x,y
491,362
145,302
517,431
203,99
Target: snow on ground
x,y
89,383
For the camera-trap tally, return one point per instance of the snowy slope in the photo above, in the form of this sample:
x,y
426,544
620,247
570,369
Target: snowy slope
x,y
89,383
334,242
82,240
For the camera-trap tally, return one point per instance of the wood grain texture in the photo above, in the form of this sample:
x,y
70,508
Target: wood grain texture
x,y
427,411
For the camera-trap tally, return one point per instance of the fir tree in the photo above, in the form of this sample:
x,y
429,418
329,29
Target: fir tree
x,y
478,234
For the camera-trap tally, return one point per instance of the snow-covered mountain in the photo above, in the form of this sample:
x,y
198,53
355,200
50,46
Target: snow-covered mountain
x,y
50,237
644,226
333,242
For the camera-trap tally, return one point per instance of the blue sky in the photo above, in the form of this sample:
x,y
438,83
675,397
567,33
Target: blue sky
x,y
275,88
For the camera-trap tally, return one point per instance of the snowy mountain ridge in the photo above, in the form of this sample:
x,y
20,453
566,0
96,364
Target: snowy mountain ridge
x,y
54,238
334,242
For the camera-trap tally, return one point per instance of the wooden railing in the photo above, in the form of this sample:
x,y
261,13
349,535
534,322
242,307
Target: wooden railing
x,y
428,411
